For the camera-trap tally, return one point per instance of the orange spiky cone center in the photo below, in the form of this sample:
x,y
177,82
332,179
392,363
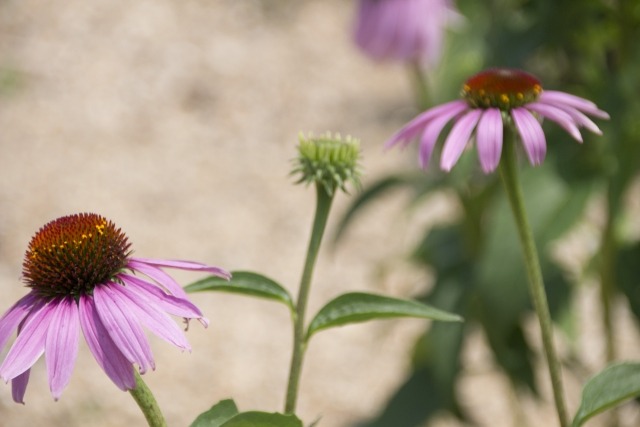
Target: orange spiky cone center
x,y
71,255
501,88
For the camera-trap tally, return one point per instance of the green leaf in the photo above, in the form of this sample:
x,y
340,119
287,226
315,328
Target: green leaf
x,y
627,273
263,419
415,181
219,413
360,307
246,283
607,389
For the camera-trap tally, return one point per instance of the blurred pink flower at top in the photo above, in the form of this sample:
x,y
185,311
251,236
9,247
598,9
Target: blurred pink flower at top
x,y
404,30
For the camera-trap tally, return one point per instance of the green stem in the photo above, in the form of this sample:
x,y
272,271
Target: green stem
x,y
607,290
510,180
147,403
421,85
323,205
607,277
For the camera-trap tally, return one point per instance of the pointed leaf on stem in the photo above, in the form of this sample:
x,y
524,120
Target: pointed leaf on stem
x,y
219,414
246,283
607,389
359,307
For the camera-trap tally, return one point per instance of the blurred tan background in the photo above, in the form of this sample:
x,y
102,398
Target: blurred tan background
x,y
178,120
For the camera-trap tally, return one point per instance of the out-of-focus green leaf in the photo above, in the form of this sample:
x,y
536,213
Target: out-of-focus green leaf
x,y
442,249
245,283
512,352
219,413
502,274
415,181
607,389
415,401
503,291
359,307
430,388
628,275
263,419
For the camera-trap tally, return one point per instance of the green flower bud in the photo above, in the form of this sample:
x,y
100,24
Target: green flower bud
x,y
328,160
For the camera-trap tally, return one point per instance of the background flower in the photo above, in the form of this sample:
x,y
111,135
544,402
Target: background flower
x,y
494,98
404,30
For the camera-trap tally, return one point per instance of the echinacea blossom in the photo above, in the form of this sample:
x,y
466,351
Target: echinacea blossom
x,y
83,278
404,30
492,99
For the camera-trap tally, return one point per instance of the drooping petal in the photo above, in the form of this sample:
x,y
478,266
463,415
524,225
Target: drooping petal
x,y
159,276
581,119
531,134
558,99
29,344
19,386
185,265
123,326
153,317
557,115
61,345
12,318
432,131
489,139
169,303
415,126
458,139
103,348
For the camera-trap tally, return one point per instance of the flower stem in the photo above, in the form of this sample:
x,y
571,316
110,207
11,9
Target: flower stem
x,y
421,85
607,281
510,180
607,291
147,403
323,205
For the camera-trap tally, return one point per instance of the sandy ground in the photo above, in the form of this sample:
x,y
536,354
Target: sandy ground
x,y
178,121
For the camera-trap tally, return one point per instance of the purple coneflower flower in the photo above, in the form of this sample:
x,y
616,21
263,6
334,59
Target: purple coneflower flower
x,y
81,277
405,30
492,99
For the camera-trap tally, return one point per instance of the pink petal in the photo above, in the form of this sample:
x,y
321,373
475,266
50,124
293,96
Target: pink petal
x,y
169,303
159,276
185,265
61,345
19,386
560,99
489,139
557,115
12,318
103,348
415,126
432,132
458,139
581,119
29,345
151,316
123,326
531,134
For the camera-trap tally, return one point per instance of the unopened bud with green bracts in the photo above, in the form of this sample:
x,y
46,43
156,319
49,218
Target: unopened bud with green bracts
x,y
329,161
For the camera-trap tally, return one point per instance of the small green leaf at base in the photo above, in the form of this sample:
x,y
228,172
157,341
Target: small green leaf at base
x,y
360,307
219,414
225,414
607,389
263,419
246,283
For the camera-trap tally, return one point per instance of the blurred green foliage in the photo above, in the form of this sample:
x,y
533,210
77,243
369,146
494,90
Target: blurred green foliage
x,y
585,47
